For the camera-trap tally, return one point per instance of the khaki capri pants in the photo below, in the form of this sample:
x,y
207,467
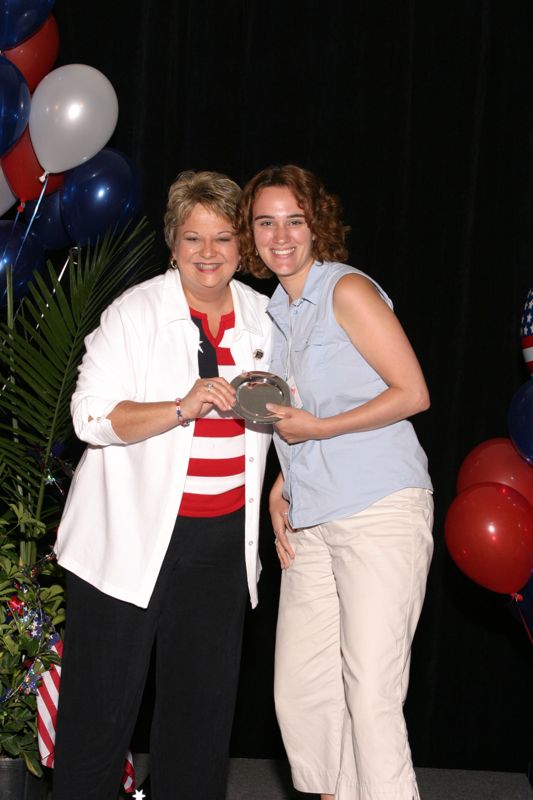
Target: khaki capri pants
x,y
349,606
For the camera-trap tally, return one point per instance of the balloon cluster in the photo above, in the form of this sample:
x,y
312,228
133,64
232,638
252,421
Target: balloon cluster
x,y
54,125
489,525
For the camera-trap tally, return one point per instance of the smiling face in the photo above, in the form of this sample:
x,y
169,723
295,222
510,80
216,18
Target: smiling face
x,y
282,237
207,254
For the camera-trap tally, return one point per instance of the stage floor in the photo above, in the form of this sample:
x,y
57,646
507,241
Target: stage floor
x,y
264,779
258,779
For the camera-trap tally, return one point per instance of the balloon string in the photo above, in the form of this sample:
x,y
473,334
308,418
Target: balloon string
x,y
530,637
30,223
517,598
11,232
63,270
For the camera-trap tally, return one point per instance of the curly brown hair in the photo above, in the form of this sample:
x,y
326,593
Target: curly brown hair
x,y
322,211
213,190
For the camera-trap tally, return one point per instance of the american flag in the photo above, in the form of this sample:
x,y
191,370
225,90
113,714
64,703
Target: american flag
x,y
47,698
47,701
526,332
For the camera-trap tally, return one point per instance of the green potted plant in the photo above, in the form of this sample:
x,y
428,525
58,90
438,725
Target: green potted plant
x,y
29,613
41,345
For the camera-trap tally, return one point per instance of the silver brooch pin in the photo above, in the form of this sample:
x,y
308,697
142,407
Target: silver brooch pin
x,y
258,354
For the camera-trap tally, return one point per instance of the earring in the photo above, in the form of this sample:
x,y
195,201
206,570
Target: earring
x,y
256,253
173,263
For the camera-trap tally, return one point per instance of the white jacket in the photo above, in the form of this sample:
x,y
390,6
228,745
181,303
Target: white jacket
x,y
124,498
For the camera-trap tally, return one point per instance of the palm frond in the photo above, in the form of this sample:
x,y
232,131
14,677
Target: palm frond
x,y
41,351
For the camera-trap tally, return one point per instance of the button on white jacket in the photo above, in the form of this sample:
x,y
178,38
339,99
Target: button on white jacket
x,y
124,498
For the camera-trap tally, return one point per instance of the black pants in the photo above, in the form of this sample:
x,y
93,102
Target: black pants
x,y
195,617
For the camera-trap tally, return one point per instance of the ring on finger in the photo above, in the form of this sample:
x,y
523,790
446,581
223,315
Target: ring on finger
x,y
209,385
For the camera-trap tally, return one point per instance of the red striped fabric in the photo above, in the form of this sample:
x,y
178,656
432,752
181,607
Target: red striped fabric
x,y
128,775
47,703
216,468
224,357
224,427
526,331
215,474
47,698
527,352
194,505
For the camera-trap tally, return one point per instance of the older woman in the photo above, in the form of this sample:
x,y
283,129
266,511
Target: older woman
x,y
160,531
357,544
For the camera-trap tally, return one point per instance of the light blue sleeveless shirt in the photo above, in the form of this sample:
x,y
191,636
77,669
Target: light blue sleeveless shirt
x,y
335,478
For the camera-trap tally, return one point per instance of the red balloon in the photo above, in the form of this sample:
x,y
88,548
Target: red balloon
x,y
36,55
23,171
489,534
497,461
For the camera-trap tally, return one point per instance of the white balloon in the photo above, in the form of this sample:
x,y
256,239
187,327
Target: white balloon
x,y
7,198
74,111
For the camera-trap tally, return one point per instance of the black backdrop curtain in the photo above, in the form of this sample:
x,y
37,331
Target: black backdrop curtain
x,y
418,114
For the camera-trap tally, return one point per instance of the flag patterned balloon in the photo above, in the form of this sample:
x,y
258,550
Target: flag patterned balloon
x,y
526,332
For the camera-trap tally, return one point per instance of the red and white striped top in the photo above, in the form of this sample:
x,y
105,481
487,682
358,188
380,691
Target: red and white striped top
x,y
215,475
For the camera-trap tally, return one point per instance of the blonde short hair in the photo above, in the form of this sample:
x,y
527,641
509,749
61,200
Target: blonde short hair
x,y
213,190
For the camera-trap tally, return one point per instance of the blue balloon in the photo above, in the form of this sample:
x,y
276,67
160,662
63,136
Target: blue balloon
x,y
15,100
19,19
520,421
102,193
24,255
48,223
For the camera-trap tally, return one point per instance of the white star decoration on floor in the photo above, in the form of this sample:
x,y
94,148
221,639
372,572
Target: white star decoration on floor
x,y
138,795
